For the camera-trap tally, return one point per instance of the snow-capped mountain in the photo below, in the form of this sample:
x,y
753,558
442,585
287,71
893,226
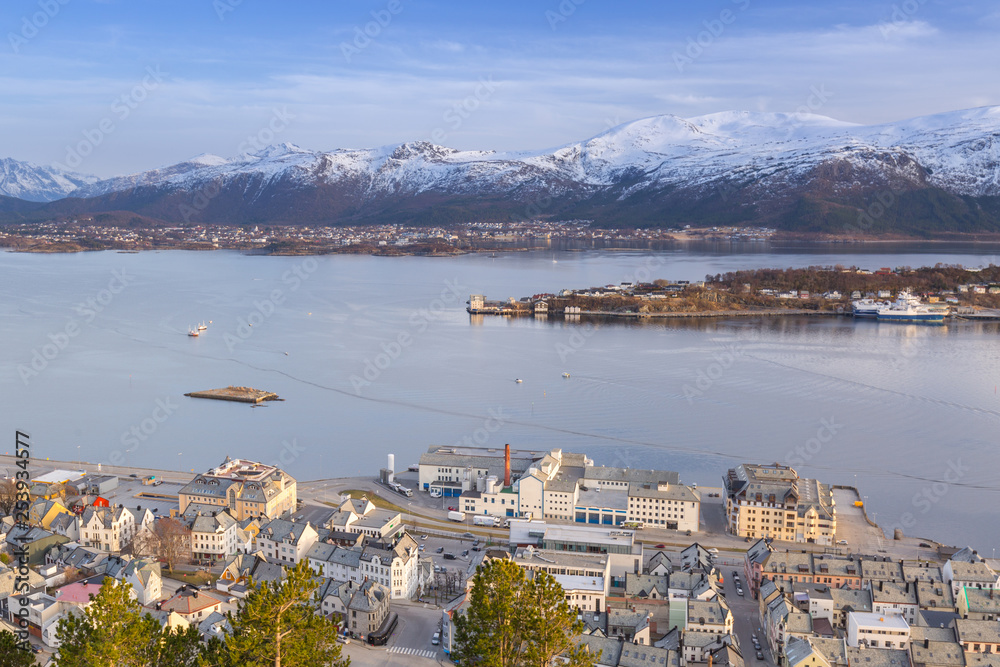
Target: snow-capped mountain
x,y
792,170
29,182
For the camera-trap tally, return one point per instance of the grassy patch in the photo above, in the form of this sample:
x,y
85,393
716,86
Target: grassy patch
x,y
377,500
199,578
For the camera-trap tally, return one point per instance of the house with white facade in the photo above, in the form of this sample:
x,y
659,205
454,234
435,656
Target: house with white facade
x,y
215,533
285,541
108,528
872,630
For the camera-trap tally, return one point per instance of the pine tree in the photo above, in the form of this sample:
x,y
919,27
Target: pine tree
x,y
115,631
512,621
11,653
277,625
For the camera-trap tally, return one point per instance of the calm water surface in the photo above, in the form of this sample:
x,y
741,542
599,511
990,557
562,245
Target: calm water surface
x,y
377,356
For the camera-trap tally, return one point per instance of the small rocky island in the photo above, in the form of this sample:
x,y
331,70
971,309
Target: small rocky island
x,y
239,394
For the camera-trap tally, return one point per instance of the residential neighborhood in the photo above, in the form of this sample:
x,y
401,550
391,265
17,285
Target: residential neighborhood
x,y
631,551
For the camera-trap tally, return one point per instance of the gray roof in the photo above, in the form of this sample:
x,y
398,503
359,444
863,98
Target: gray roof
x,y
638,656
641,585
797,649
279,530
877,657
978,631
630,475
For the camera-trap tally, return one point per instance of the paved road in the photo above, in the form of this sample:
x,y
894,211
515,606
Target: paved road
x,y
410,643
745,619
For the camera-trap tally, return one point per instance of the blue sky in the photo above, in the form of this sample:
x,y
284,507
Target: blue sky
x,y
146,83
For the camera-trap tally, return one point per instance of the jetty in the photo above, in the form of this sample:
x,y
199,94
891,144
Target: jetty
x,y
238,394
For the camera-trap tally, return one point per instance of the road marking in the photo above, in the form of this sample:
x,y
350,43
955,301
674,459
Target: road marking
x,y
404,650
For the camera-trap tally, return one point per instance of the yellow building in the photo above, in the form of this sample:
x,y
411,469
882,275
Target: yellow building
x,y
772,501
249,489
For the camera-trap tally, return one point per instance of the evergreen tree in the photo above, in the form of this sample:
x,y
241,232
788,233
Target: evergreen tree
x,y
512,621
277,625
115,631
11,653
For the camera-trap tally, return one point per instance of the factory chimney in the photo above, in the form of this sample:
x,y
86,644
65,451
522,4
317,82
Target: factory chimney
x,y
506,465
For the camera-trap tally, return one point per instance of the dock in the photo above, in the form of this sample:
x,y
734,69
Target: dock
x,y
238,394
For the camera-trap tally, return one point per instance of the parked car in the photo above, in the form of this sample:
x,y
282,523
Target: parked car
x,y
420,548
452,508
660,546
436,639
841,541
439,550
423,537
476,547
739,591
465,553
468,535
760,656
925,545
449,556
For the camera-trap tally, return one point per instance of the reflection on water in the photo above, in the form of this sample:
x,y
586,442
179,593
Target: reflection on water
x,y
370,364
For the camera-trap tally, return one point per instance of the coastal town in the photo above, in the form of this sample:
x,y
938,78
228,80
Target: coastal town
x,y
822,290
766,568
108,232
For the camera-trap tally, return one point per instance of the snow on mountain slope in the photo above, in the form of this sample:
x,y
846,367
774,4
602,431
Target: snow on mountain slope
x,y
768,154
40,184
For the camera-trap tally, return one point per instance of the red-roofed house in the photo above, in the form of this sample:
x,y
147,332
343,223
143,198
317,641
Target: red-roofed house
x,y
192,604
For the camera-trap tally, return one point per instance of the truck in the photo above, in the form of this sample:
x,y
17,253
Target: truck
x,y
400,489
456,516
485,520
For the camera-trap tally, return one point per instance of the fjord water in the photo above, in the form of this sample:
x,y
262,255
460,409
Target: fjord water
x,y
377,355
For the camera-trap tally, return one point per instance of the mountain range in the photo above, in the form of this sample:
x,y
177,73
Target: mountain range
x,y
802,172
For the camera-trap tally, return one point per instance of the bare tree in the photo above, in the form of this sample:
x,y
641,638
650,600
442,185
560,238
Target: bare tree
x,y
173,542
8,495
143,542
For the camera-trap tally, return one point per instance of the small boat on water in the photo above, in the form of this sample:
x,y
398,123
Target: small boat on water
x,y
518,380
565,375
202,326
909,308
193,333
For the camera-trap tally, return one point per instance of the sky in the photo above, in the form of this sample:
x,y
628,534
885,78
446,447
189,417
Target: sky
x,y
112,87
